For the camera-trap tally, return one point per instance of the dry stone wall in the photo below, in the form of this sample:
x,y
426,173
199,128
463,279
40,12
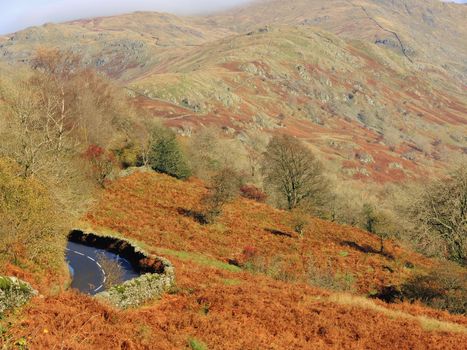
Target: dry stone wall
x,y
157,273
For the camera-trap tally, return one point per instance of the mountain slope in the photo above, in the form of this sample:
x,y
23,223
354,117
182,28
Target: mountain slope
x,y
119,45
429,31
347,98
384,97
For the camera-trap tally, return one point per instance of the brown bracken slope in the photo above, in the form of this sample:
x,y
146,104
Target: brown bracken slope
x,y
224,306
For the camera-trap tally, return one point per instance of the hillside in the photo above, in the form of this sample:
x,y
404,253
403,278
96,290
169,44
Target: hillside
x,y
382,98
215,301
359,104
283,175
424,31
121,46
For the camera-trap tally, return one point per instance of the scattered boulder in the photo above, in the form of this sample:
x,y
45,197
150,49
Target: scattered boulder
x,y
364,157
259,31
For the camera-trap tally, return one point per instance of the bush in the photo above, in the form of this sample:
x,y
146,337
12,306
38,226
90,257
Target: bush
x,y
102,163
129,155
196,344
249,253
31,226
224,188
327,278
275,267
14,293
300,222
254,193
166,155
443,288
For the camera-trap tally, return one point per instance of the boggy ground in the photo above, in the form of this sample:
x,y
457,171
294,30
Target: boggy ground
x,y
226,307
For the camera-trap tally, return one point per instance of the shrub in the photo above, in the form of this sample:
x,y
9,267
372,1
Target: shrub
x,y
129,155
102,163
30,223
325,277
196,344
443,288
254,193
275,267
166,155
300,222
249,252
14,293
224,188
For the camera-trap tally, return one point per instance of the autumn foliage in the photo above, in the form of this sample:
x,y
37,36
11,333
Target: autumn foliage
x,y
102,163
254,193
215,302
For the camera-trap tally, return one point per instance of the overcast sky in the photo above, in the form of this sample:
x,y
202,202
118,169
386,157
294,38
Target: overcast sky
x,y
19,14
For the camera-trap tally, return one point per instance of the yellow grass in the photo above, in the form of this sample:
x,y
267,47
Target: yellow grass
x,y
427,323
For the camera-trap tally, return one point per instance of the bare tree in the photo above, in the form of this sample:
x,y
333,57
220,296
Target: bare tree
x,y
224,187
291,169
210,151
55,72
113,270
50,117
40,112
378,221
441,210
256,145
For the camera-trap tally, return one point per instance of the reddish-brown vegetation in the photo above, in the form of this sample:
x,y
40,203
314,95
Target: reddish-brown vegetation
x,y
226,307
254,193
148,207
225,310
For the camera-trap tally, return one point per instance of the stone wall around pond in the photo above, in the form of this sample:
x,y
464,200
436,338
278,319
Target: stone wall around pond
x,y
157,273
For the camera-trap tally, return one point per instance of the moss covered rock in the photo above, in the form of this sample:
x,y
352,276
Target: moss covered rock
x,y
14,293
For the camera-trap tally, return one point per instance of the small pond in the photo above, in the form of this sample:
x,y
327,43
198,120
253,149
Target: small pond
x,y
87,265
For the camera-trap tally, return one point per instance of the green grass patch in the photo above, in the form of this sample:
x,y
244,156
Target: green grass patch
x,y
198,259
5,283
196,344
231,282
